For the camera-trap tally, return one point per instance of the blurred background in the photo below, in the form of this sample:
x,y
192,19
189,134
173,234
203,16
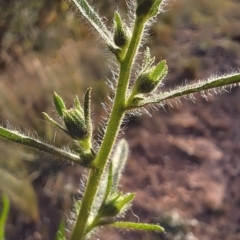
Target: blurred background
x,y
184,163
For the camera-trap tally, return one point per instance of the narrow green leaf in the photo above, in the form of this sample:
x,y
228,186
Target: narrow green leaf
x,y
87,111
159,71
4,215
117,19
78,105
138,226
123,202
147,60
109,182
53,122
119,160
61,233
17,137
59,104
92,17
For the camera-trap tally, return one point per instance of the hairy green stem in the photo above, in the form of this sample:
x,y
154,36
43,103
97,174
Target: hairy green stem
x,y
113,127
17,137
217,84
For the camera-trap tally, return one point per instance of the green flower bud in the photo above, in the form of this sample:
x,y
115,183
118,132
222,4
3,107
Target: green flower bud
x,y
148,80
147,8
121,37
121,34
116,205
145,84
75,124
78,123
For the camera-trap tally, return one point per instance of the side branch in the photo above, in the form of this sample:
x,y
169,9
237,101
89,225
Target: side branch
x,y
17,137
214,83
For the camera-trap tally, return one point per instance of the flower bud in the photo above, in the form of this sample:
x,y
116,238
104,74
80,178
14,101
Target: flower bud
x,y
147,8
121,35
75,124
148,80
116,205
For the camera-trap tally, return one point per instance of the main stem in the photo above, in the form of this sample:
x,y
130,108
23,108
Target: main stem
x,y
112,130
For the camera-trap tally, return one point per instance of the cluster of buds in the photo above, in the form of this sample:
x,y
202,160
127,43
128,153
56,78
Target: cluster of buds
x,y
78,123
147,8
149,78
116,204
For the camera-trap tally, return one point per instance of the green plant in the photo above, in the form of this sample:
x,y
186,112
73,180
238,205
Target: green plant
x,y
3,215
134,91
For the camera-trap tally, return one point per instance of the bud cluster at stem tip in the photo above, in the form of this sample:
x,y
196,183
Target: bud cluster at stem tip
x,y
149,78
77,121
121,36
121,33
147,8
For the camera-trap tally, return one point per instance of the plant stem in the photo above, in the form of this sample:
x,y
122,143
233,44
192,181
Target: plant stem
x,y
20,138
217,84
113,127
